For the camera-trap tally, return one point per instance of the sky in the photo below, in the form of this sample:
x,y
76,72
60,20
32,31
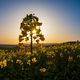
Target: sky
x,y
60,18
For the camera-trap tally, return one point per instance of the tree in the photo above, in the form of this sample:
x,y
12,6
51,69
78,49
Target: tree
x,y
30,29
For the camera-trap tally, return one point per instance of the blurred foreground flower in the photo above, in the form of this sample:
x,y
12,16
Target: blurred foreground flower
x,y
18,61
28,53
43,70
3,63
70,58
28,62
34,60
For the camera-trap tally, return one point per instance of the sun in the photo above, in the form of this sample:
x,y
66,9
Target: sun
x,y
34,31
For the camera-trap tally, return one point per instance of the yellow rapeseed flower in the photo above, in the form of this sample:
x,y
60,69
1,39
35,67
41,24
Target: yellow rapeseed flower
x,y
18,61
3,63
34,60
28,62
70,58
42,69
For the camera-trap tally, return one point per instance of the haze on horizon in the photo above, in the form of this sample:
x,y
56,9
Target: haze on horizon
x,y
60,18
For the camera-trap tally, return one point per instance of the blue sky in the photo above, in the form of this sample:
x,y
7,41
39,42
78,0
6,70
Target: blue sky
x,y
60,18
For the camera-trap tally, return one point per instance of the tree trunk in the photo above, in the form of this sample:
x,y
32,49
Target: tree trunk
x,y
31,42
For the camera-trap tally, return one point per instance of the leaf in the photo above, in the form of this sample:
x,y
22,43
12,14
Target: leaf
x,y
20,36
34,37
24,33
37,41
22,25
38,31
42,38
21,39
27,38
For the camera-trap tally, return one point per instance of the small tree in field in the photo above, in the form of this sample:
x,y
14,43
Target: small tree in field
x,y
30,29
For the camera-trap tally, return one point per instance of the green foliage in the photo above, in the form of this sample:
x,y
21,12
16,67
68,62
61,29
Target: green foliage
x,y
30,29
58,62
28,25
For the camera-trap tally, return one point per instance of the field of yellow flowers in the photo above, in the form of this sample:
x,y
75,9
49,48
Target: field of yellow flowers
x,y
57,62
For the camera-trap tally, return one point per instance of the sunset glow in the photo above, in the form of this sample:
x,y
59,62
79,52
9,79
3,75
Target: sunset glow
x,y
61,19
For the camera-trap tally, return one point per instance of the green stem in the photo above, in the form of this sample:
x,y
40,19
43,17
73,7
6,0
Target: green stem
x,y
31,42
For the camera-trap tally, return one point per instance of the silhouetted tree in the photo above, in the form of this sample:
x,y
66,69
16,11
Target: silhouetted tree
x,y
30,29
